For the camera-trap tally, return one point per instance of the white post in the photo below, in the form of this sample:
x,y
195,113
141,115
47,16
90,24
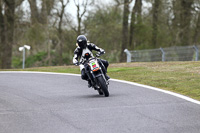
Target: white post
x,y
24,53
163,54
197,53
128,55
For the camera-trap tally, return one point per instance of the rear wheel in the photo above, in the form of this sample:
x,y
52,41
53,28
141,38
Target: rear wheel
x,y
103,86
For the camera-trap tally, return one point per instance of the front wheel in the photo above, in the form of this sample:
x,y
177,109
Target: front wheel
x,y
103,86
100,92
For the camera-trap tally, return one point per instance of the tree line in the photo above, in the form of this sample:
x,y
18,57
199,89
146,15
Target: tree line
x,y
51,31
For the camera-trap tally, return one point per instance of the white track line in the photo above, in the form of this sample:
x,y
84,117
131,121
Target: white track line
x,y
116,80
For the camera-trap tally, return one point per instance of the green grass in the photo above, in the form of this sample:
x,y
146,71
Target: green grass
x,y
179,77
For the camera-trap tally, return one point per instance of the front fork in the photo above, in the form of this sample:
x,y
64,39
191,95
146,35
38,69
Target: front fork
x,y
93,78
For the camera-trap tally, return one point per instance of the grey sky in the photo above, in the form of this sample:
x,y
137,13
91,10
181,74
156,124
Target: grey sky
x,y
71,9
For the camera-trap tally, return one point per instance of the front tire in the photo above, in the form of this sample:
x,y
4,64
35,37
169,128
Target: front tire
x,y
100,92
103,86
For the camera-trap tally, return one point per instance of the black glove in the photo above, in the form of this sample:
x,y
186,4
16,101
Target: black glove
x,y
100,53
77,64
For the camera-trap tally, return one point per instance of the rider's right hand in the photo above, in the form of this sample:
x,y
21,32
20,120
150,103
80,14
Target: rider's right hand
x,y
76,64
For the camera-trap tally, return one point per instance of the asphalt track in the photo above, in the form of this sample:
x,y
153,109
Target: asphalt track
x,y
51,103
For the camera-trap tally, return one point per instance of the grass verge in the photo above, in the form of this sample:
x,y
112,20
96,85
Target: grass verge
x,y
179,77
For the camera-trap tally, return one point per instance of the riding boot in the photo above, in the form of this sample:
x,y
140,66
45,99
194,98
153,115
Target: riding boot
x,y
107,77
105,73
89,84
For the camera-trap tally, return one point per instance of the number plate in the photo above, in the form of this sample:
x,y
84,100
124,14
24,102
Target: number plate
x,y
94,65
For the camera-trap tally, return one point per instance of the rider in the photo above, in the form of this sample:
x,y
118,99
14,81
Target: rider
x,y
83,46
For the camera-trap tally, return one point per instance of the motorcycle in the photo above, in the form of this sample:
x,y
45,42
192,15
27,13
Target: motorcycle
x,y
94,70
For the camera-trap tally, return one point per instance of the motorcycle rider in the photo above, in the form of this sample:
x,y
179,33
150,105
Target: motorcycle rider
x,y
83,46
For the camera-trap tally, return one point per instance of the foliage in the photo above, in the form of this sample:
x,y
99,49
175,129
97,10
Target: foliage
x,y
50,28
16,62
34,60
31,61
36,36
103,27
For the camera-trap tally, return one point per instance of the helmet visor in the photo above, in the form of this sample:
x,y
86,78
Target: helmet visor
x,y
82,43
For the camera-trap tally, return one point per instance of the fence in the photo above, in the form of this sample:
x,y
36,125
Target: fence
x,y
180,53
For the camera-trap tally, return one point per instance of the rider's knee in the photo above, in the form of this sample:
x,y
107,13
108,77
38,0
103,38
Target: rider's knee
x,y
105,63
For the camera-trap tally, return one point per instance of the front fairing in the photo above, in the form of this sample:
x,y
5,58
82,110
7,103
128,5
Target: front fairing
x,y
94,65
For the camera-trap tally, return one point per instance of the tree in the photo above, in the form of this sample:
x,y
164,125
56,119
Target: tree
x,y
34,11
125,29
80,13
103,27
136,17
7,30
41,16
185,21
175,30
18,2
60,31
197,30
2,37
155,21
47,6
38,33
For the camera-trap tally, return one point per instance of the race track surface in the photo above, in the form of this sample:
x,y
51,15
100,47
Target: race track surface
x,y
46,103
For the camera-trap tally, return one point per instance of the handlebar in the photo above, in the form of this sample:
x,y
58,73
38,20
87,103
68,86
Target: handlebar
x,y
83,61
100,53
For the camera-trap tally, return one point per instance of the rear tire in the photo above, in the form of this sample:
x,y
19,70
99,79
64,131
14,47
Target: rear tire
x,y
103,86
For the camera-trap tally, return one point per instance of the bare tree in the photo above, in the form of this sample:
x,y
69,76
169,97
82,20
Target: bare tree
x,y
197,30
18,2
60,14
2,36
7,32
185,22
47,6
156,6
176,22
135,18
36,15
125,29
34,11
80,14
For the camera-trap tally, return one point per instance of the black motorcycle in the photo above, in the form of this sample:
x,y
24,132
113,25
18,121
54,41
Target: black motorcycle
x,y
94,70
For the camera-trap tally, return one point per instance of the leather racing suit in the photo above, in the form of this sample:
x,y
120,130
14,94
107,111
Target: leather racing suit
x,y
79,55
